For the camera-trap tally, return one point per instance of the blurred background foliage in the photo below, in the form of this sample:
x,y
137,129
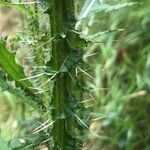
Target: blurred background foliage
x,y
118,73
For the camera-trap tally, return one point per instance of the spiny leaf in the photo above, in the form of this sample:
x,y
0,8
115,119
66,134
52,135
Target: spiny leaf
x,y
15,72
20,94
9,66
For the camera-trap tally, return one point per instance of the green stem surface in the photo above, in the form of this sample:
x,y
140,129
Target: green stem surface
x,y
61,17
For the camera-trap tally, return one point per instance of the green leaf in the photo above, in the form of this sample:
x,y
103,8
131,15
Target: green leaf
x,y
15,72
9,66
3,144
20,94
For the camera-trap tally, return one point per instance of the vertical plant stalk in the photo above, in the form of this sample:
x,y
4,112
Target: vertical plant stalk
x,y
61,21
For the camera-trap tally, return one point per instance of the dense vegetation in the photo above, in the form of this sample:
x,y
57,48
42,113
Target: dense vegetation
x,y
74,74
